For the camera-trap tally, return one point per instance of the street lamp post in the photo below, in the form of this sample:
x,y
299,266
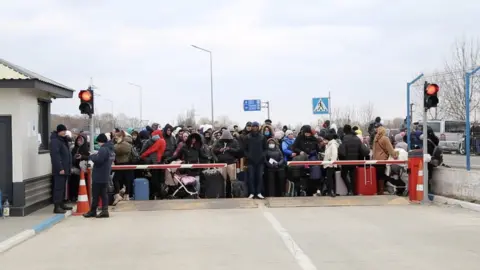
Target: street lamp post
x,y
113,116
211,80
140,89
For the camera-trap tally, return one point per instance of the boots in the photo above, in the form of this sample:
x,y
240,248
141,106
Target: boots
x,y
381,187
65,207
58,209
103,214
90,214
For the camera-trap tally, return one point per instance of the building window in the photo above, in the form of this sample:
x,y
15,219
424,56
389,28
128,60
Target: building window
x,y
43,132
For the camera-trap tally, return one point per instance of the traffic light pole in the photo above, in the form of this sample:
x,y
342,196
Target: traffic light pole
x,y
92,131
425,152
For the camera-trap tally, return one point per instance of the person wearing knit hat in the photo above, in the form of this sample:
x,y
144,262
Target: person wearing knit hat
x,y
287,143
102,168
61,160
255,149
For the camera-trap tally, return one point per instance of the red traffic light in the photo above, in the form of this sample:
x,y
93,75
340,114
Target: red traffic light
x,y
85,95
432,89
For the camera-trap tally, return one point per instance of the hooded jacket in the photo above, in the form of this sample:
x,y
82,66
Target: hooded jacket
x,y
274,154
270,131
331,153
382,147
287,147
399,143
83,150
226,149
60,155
154,153
255,147
102,163
170,140
192,153
123,151
352,148
308,145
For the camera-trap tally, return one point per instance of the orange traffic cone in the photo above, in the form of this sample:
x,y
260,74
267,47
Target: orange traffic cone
x,y
82,202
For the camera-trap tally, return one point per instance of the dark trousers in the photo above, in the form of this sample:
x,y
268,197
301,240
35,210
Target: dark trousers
x,y
331,183
275,182
73,183
123,178
158,178
348,176
99,190
59,185
255,178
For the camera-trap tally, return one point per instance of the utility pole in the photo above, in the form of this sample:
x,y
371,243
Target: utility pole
x,y
409,112
211,79
92,121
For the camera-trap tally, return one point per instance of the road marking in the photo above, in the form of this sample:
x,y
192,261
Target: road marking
x,y
302,259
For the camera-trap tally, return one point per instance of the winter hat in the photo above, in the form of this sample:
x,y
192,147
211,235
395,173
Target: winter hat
x,y
102,138
249,124
61,128
347,129
255,124
288,132
279,134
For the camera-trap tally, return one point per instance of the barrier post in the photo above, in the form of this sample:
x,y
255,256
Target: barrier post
x,y
415,175
83,205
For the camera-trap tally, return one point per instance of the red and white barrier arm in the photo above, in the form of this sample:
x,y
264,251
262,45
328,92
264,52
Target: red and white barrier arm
x,y
169,166
347,162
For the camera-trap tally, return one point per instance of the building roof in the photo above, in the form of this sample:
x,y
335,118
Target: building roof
x,y
12,75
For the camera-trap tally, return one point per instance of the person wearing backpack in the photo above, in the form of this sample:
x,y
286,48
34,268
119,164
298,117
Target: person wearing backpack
x,y
123,179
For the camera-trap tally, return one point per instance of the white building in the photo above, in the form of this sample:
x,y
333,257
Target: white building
x,y
25,168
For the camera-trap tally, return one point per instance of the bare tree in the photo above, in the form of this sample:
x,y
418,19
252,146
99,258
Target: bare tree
x,y
204,120
465,57
365,115
188,119
223,121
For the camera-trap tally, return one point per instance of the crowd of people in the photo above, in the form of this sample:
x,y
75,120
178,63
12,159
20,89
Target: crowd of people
x,y
256,155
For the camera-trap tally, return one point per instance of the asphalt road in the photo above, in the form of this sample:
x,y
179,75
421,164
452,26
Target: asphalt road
x,y
359,237
459,161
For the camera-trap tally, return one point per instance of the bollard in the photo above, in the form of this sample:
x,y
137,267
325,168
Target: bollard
x,y
415,175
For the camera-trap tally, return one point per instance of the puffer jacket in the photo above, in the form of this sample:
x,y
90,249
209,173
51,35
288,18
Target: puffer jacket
x,y
275,154
123,151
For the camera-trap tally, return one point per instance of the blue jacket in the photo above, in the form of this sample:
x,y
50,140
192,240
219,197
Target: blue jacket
x,y
102,163
287,148
60,155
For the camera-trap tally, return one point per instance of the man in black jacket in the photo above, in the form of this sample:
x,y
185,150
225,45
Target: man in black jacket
x,y
102,167
61,159
255,147
351,149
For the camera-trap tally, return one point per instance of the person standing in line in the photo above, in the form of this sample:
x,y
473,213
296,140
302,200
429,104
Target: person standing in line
x,y
61,159
255,148
102,167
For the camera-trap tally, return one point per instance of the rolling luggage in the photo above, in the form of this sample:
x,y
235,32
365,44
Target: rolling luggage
x,y
141,189
239,189
290,189
366,180
341,188
214,184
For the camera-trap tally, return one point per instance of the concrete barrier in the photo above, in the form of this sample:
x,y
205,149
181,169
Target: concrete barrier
x,y
457,183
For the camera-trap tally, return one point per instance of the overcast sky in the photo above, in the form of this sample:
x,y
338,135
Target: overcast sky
x,y
283,51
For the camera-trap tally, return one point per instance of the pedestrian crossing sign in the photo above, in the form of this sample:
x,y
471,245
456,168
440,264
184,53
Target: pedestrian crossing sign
x,y
320,105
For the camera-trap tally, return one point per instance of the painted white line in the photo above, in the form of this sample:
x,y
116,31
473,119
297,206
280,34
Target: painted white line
x,y
16,239
302,259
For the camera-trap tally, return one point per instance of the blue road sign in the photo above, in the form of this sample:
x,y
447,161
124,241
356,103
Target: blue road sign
x,y
252,105
320,105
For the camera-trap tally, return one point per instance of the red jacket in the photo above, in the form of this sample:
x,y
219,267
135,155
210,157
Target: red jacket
x,y
158,147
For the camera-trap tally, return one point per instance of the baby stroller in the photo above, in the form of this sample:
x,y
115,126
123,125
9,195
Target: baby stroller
x,y
180,185
398,174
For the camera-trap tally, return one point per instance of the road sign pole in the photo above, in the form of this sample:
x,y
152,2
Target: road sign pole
x,y
409,116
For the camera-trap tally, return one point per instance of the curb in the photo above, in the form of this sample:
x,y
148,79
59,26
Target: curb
x,y
30,233
467,205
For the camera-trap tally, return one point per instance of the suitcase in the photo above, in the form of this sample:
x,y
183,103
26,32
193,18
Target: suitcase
x,y
239,189
341,188
214,184
141,188
290,189
366,180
